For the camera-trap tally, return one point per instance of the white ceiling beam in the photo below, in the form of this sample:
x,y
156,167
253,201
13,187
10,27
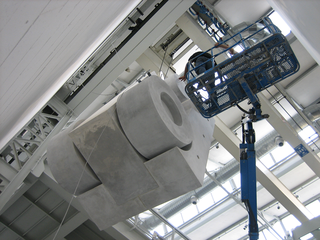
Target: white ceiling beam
x,y
198,35
192,29
151,61
302,18
286,95
289,134
6,170
267,179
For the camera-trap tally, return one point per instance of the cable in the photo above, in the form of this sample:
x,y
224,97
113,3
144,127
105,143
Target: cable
x,y
79,182
168,67
163,59
242,109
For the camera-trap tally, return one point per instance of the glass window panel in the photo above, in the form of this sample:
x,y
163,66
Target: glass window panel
x,y
176,219
280,23
205,202
145,215
278,228
161,229
189,212
236,180
218,193
228,187
290,222
307,236
308,134
267,161
268,235
282,152
314,207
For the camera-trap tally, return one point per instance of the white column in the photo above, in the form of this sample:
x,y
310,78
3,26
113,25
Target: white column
x,y
303,18
151,61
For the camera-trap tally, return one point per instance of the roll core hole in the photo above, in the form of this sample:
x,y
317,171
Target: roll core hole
x,y
171,109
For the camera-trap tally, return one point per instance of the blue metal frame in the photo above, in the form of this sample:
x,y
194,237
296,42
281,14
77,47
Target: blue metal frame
x,y
261,66
223,28
241,77
249,179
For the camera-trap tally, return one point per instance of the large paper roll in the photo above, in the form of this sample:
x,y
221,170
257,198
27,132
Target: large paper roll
x,y
153,118
68,165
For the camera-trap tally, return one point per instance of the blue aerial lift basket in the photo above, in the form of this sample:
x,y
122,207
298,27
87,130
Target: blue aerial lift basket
x,y
260,66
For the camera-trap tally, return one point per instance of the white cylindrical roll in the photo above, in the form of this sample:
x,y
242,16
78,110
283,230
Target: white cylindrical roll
x,y
68,165
153,118
177,86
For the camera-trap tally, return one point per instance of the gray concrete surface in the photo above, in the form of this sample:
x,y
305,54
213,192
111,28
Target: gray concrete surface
x,y
179,171
67,164
153,118
116,163
104,211
177,86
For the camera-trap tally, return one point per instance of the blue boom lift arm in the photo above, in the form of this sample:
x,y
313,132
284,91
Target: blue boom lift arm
x,y
258,67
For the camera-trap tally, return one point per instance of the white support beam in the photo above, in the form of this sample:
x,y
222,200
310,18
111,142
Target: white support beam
x,y
289,134
151,61
198,35
146,63
267,179
68,227
284,93
6,170
302,17
192,29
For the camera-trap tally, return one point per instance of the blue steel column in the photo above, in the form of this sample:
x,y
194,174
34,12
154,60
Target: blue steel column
x,y
249,179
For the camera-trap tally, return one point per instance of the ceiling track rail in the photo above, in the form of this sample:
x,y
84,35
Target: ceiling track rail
x,y
116,50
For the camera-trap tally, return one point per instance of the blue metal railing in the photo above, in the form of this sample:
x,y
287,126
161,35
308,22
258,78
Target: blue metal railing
x,y
261,65
204,11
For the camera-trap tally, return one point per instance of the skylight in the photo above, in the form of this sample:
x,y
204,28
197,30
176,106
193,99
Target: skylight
x,y
281,24
205,202
314,207
308,134
306,237
290,222
283,152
